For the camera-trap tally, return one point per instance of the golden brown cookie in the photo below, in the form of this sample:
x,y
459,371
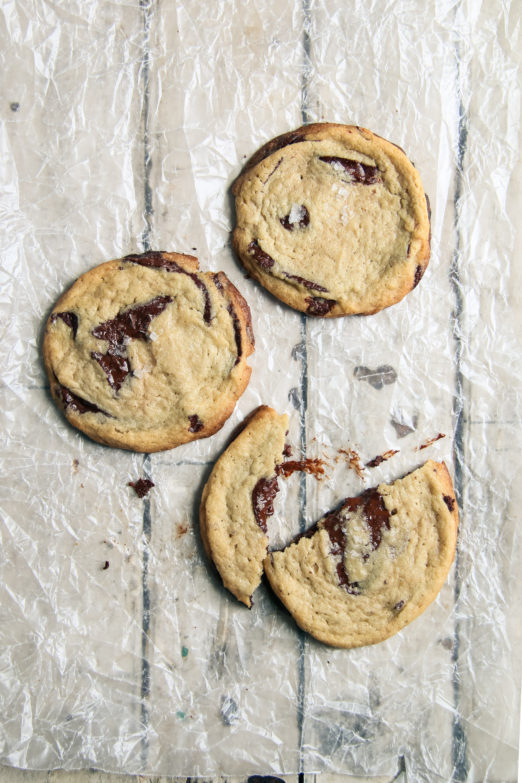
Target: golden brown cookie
x,y
147,352
372,566
332,220
237,499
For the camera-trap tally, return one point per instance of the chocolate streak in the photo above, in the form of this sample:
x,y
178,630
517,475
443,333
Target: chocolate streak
x,y
262,258
263,496
71,319
360,172
377,518
317,305
307,283
131,324
155,259
237,331
71,400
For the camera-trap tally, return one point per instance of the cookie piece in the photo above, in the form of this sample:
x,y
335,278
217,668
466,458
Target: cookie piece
x,y
238,498
372,566
146,352
333,220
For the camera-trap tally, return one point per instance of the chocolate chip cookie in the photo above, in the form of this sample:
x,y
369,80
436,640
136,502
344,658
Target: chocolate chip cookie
x,y
372,566
237,500
332,220
147,352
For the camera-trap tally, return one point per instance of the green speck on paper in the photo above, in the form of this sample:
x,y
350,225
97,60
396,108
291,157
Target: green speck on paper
x,y
184,652
180,714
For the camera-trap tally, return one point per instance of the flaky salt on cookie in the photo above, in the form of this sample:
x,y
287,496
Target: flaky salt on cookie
x,y
332,220
147,352
237,500
372,566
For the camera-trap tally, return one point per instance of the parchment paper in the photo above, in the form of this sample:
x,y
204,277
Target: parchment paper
x,y
123,127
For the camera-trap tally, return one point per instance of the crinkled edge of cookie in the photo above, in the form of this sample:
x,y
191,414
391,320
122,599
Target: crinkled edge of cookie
x,y
294,596
303,300
159,439
223,524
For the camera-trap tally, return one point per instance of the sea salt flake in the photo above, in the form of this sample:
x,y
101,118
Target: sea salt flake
x,y
297,214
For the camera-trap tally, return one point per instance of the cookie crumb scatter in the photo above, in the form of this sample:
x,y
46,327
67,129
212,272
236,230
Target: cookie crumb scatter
x,y
353,460
431,441
312,466
141,487
373,463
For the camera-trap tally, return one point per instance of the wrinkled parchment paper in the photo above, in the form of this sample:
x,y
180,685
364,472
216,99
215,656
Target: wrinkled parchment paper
x,y
124,124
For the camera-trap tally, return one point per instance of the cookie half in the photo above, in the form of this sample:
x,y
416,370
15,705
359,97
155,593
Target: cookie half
x,y
332,220
372,566
147,352
237,499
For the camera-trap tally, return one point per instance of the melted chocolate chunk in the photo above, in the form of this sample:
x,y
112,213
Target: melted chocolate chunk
x,y
263,496
312,466
333,524
398,606
376,461
307,283
319,306
419,271
131,324
262,258
157,260
115,366
302,222
376,514
449,501
376,517
360,172
237,331
71,319
141,486
71,400
196,425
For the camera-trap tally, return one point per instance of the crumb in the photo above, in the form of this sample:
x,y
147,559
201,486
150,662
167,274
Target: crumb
x,y
141,487
353,460
431,441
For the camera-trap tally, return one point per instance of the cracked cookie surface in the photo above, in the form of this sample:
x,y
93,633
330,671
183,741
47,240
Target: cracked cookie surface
x,y
372,566
147,352
332,220
237,499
